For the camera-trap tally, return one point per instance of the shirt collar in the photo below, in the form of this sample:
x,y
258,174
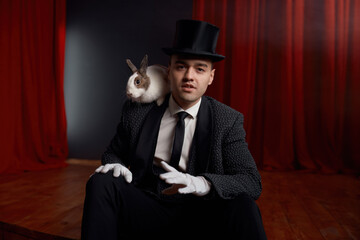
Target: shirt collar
x,y
174,108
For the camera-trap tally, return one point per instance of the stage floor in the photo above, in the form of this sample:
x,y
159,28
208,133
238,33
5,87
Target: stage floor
x,y
48,204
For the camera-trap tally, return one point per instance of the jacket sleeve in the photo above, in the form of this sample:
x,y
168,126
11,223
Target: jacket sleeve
x,y
238,173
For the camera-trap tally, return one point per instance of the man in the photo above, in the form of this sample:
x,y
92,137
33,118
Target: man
x,y
168,173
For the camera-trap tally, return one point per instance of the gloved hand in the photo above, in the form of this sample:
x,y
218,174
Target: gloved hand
x,y
183,183
119,170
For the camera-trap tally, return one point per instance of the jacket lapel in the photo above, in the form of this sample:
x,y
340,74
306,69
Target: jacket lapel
x,y
143,156
202,139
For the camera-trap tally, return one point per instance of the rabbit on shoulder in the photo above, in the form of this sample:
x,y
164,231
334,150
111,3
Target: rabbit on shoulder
x,y
147,84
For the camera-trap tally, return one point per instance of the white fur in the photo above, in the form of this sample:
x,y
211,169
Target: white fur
x,y
157,89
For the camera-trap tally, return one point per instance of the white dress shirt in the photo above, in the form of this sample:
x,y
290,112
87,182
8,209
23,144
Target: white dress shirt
x,y
167,131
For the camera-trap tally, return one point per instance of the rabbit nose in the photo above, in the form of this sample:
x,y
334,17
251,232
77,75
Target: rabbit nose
x,y
129,94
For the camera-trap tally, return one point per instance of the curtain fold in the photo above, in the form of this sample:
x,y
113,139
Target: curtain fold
x,y
292,68
32,122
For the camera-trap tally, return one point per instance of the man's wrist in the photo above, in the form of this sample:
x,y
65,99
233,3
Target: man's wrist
x,y
202,186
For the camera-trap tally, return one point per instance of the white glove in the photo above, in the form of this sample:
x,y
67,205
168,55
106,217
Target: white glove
x,y
119,170
183,183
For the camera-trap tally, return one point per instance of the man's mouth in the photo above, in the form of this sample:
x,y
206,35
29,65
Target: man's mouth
x,y
187,86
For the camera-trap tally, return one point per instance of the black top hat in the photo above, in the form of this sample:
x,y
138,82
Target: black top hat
x,y
195,37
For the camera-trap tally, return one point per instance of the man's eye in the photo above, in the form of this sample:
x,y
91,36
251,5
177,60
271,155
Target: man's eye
x,y
180,67
201,70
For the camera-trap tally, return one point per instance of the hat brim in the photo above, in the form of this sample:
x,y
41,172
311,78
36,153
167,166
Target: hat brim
x,y
212,56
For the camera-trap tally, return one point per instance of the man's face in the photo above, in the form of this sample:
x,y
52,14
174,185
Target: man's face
x,y
189,79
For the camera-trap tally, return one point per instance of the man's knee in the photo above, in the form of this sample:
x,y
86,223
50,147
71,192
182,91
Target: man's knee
x,y
245,204
102,183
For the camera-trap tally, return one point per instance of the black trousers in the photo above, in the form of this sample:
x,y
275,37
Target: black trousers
x,y
115,209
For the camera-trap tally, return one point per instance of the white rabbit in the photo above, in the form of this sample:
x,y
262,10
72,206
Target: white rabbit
x,y
147,84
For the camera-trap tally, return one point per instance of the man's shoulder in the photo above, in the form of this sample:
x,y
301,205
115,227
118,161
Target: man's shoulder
x,y
137,106
136,109
221,108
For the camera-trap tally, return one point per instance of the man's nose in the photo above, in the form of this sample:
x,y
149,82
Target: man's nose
x,y
189,75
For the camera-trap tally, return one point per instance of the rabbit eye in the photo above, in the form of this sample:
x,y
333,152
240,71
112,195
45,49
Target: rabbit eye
x,y
137,82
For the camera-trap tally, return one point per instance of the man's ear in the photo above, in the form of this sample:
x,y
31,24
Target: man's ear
x,y
212,75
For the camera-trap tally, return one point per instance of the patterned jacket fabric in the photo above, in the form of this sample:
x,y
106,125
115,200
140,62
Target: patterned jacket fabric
x,y
226,161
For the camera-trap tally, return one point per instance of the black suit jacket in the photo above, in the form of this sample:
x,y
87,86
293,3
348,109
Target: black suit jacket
x,y
218,152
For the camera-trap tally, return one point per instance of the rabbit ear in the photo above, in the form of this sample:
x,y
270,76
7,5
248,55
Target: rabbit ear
x,y
131,66
143,65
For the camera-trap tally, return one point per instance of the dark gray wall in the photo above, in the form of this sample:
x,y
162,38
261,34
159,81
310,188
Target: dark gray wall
x,y
100,35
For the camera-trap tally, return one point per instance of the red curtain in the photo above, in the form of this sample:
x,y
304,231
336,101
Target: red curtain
x,y
293,68
32,121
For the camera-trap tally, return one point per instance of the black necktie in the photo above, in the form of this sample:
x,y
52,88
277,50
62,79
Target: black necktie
x,y
178,139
